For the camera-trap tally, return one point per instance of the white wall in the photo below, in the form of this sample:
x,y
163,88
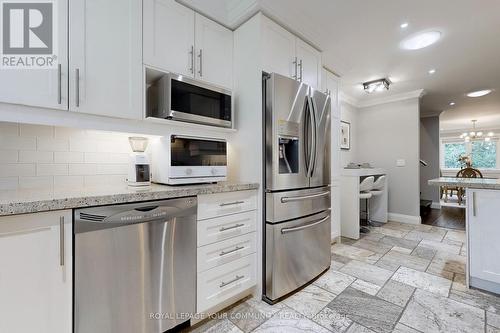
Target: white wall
x,y
349,113
388,132
429,152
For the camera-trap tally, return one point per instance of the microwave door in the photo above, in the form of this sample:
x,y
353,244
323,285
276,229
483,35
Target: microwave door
x,y
321,109
286,143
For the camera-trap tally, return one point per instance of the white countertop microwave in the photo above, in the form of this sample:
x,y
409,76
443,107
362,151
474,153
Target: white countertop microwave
x,y
180,98
180,159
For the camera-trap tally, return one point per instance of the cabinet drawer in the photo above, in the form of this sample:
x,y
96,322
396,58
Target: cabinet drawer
x,y
221,204
225,227
213,255
223,282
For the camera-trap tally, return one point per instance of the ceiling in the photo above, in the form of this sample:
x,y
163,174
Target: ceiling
x,y
360,42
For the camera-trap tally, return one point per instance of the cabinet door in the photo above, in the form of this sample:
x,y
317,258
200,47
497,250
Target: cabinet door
x,y
214,52
41,87
106,57
169,36
278,49
332,88
36,273
482,224
309,64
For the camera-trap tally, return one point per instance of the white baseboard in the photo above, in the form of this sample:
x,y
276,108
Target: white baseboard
x,y
436,205
410,219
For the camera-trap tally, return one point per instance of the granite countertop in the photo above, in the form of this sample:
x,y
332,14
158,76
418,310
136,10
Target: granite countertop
x,y
481,183
33,201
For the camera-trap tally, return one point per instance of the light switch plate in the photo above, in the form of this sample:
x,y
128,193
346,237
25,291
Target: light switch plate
x,y
400,163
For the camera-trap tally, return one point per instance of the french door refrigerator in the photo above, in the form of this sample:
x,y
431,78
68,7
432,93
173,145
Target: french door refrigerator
x,y
297,185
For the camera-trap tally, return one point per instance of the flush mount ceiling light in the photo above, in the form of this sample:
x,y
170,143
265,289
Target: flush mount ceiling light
x,y
432,71
376,85
452,103
420,40
479,93
404,25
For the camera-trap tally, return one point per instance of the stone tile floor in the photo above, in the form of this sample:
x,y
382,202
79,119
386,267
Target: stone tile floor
x,y
398,278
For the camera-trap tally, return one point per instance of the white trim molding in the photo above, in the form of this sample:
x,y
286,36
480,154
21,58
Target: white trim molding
x,y
392,98
401,218
380,100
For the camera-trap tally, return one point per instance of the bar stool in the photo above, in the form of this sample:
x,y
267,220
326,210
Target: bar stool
x,y
377,189
365,187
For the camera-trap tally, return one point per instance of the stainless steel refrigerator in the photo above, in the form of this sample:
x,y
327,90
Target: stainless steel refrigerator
x,y
297,185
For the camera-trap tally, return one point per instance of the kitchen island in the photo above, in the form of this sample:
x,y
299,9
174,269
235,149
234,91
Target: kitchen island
x,y
482,230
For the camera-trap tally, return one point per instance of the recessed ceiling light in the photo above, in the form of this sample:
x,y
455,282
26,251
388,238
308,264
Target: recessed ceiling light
x,y
479,93
452,103
432,71
404,25
420,40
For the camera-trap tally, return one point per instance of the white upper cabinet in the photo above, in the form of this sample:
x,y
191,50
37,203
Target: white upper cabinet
x,y
169,36
214,52
331,87
309,64
41,87
36,273
288,55
279,49
105,68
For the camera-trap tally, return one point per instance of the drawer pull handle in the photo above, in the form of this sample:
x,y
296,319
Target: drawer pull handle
x,y
305,226
305,197
223,253
239,225
237,278
232,203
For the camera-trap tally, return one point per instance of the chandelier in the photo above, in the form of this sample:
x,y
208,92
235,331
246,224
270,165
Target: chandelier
x,y
475,135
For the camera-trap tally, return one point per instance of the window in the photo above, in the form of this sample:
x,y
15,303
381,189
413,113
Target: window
x,y
451,153
484,155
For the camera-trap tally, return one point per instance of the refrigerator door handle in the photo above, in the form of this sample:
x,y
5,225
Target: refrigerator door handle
x,y
312,156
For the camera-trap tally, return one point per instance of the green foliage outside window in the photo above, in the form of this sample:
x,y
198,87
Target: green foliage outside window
x,y
484,155
452,152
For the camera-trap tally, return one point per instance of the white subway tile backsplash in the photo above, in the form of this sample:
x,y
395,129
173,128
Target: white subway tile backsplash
x,y
67,133
81,169
9,183
36,156
105,180
111,169
9,156
82,145
9,142
36,130
42,183
68,157
52,169
17,169
68,181
9,129
52,144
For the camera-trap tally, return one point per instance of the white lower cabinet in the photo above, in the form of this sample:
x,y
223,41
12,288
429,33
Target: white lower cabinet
x,y
36,273
226,256
483,233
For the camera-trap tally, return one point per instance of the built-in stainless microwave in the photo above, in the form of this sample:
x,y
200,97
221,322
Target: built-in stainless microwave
x,y
180,159
180,98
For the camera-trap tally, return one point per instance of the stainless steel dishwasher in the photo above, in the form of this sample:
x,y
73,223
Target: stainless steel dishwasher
x,y
134,266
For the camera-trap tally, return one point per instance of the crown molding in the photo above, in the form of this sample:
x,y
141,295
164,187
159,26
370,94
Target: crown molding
x,y
393,98
343,97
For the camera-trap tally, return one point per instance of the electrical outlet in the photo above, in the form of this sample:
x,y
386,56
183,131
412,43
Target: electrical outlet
x,y
400,163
